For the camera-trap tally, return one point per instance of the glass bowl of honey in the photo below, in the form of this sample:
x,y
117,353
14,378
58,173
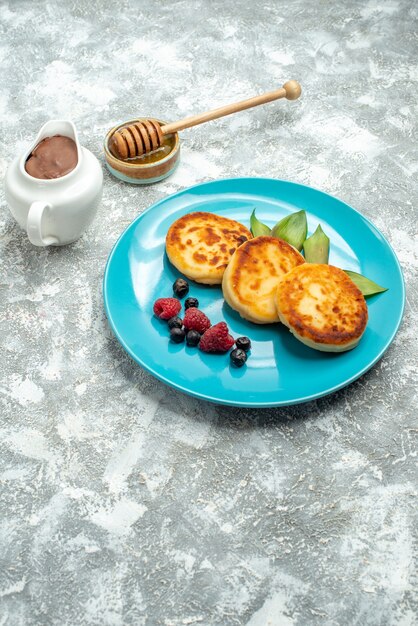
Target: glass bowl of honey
x,y
148,168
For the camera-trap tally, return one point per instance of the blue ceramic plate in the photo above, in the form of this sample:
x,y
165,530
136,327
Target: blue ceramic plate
x,y
280,370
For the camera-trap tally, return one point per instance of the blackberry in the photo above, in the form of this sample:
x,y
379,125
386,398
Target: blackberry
x,y
238,357
190,302
177,335
181,287
192,338
243,343
175,322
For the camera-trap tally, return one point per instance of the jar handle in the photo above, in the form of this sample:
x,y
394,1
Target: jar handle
x,y
34,225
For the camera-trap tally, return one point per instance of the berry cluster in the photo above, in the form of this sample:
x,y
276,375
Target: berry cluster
x,y
195,327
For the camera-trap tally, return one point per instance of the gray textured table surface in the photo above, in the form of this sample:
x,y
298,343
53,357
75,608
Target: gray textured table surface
x,y
125,502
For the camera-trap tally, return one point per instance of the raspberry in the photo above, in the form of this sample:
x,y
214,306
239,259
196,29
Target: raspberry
x,y
164,308
196,320
216,339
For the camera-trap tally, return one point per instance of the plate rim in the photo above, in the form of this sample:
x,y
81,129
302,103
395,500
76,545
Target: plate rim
x,y
238,403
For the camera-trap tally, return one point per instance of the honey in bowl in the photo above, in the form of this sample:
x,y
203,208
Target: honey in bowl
x,y
147,167
155,155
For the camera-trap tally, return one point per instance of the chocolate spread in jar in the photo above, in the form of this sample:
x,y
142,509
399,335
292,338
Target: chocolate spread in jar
x,y
53,157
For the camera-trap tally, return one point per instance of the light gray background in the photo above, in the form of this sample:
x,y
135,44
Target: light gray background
x,y
123,502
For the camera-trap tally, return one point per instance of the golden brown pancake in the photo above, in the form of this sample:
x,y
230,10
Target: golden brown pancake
x,y
322,307
201,244
250,281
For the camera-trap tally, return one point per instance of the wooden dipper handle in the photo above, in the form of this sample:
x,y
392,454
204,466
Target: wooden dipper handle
x,y
147,135
290,90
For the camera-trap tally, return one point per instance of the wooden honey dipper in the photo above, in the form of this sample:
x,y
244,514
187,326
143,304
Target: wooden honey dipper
x,y
147,135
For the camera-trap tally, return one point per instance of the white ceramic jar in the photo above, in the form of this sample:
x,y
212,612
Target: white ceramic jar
x,y
55,211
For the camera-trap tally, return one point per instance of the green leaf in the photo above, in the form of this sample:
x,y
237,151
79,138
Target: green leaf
x,y
257,227
316,247
366,286
293,228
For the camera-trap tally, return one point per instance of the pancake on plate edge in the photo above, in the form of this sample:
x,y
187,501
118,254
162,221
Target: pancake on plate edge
x,y
322,307
200,245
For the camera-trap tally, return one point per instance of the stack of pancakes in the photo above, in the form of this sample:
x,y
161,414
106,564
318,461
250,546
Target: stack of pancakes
x,y
267,281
